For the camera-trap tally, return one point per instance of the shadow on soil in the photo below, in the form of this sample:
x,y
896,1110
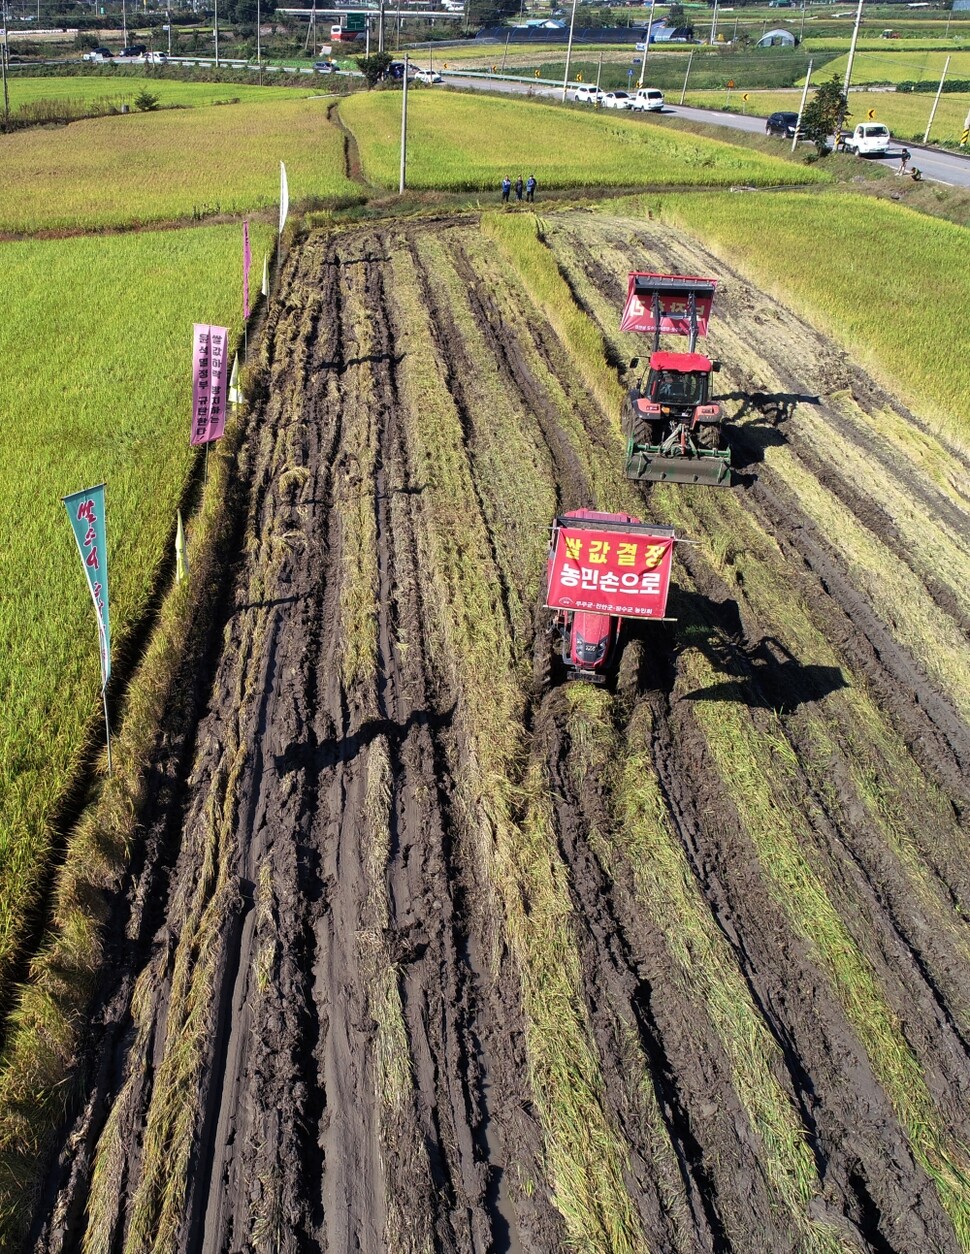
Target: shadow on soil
x,y
755,427
761,675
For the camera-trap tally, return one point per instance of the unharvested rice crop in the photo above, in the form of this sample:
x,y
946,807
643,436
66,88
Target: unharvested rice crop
x,y
901,67
123,88
155,167
880,267
95,376
468,143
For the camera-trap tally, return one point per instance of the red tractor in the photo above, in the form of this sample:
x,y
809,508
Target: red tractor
x,y
674,429
603,569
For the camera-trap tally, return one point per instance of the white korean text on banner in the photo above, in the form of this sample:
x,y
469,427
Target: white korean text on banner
x,y
209,379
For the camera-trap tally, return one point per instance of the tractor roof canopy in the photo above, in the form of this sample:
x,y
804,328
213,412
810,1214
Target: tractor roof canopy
x,y
685,363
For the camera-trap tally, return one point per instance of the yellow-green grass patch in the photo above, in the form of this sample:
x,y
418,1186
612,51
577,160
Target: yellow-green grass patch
x,y
895,319
900,67
467,143
95,375
156,167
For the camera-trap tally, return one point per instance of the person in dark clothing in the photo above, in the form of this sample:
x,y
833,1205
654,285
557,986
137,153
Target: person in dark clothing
x,y
519,186
530,187
506,188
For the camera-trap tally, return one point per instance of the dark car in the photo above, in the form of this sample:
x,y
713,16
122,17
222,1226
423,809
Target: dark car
x,y
134,50
325,67
782,124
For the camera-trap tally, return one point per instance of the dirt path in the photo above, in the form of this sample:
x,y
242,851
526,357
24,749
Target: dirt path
x,y
337,1032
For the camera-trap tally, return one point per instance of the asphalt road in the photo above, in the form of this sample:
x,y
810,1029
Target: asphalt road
x,y
936,164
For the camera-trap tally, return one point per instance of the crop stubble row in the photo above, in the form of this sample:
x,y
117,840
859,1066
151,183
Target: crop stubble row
x,y
405,871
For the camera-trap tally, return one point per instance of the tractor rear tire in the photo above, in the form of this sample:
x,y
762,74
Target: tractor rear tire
x,y
708,435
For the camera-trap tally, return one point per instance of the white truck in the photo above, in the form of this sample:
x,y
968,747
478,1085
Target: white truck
x,y
869,139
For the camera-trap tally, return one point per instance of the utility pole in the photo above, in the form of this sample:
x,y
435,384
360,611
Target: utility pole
x,y
714,23
690,59
646,42
124,24
801,107
939,92
216,28
259,45
599,71
855,40
404,126
801,29
505,54
4,53
380,27
569,52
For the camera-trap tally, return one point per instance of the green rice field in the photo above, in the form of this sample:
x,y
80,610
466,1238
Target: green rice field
x,y
95,372
123,88
467,144
900,66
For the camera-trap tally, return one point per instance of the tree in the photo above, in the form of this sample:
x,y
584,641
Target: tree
x,y
824,115
374,67
146,101
676,15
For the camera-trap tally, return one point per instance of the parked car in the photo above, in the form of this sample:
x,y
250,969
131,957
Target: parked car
x,y
134,50
396,71
648,100
428,76
782,124
325,67
869,139
588,94
98,54
617,100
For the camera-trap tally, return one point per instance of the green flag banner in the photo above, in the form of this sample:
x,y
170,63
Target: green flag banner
x,y
86,513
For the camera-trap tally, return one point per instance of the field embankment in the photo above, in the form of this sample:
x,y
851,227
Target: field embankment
x,y
680,966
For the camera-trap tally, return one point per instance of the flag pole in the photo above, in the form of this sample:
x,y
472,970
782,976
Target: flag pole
x,y
107,725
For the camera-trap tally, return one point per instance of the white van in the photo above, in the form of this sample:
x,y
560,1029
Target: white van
x,y
869,139
648,99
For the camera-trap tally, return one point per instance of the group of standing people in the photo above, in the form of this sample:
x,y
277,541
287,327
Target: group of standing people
x,y
529,187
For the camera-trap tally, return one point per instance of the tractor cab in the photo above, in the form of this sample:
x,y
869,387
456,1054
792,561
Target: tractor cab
x,y
674,430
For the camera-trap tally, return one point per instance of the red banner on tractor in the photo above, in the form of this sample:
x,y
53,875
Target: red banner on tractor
x,y
669,298
621,572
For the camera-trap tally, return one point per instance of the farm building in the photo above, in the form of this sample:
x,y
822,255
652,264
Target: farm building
x,y
777,39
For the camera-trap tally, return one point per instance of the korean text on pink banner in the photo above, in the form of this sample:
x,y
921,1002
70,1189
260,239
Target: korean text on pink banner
x,y
209,377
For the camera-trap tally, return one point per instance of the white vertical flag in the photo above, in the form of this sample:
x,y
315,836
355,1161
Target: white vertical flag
x,y
235,396
181,561
284,197
265,288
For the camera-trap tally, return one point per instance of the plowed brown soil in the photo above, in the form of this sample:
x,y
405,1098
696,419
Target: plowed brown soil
x,y
312,1032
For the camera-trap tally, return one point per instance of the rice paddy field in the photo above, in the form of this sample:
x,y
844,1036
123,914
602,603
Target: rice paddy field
x,y
123,88
95,374
462,143
901,66
385,936
156,167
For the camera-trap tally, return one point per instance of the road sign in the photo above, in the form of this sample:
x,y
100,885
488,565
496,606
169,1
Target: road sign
x,y
730,82
965,138
356,21
579,78
629,75
538,73
871,114
745,97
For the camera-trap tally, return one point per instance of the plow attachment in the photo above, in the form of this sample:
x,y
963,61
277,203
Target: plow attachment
x,y
658,464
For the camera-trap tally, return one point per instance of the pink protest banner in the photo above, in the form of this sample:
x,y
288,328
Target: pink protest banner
x,y
209,376
247,262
